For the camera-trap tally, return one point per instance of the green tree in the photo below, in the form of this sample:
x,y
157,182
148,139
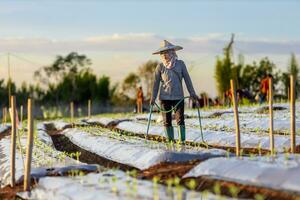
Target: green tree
x,y
223,74
292,69
252,74
103,89
129,85
86,86
236,72
145,73
223,69
70,64
65,69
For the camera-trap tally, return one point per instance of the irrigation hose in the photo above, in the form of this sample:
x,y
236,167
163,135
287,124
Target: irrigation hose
x,y
167,111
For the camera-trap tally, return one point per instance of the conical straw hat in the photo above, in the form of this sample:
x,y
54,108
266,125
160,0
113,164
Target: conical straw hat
x,y
165,46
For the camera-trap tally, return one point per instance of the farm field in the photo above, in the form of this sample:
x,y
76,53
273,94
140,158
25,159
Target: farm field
x,y
149,100
111,157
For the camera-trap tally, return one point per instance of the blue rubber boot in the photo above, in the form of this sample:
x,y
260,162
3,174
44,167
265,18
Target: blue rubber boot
x,y
182,133
169,133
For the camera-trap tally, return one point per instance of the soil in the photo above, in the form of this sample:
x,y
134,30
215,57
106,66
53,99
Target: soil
x,y
165,171
5,133
265,109
9,193
218,114
245,191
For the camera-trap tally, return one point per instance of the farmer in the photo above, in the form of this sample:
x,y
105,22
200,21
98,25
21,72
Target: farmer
x,y
139,100
264,88
168,80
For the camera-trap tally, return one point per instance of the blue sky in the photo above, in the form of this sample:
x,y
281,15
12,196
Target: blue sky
x,y
130,30
76,19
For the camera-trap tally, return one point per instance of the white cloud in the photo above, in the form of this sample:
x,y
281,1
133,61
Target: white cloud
x,y
147,42
119,37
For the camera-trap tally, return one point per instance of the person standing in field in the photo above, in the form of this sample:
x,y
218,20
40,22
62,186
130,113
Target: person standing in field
x,y
264,88
139,100
168,81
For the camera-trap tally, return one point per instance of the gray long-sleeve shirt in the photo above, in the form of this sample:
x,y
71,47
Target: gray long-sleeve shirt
x,y
169,82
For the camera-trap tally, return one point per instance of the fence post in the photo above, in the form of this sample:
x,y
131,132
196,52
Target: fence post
x,y
292,105
89,108
236,117
4,115
21,114
13,140
271,116
29,146
289,94
72,110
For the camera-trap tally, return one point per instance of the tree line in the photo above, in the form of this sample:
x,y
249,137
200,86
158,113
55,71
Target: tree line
x,y
70,78
248,77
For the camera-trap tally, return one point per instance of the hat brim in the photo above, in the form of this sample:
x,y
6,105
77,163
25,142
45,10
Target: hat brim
x,y
176,48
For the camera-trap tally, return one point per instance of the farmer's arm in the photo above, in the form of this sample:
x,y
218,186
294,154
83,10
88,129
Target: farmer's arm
x,y
156,82
187,80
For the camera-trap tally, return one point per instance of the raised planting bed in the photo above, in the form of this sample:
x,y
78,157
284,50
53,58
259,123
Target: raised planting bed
x,y
111,184
43,158
273,178
46,161
249,122
138,154
251,143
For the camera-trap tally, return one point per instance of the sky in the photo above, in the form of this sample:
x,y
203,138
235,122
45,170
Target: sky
x,y
120,35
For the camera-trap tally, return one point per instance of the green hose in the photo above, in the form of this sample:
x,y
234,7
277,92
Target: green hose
x,y
167,111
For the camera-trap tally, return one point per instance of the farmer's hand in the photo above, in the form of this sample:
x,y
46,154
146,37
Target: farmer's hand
x,y
195,98
152,101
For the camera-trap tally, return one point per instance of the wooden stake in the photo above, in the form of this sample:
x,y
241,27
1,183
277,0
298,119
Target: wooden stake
x,y
236,117
29,146
288,93
21,114
292,102
271,115
3,113
13,140
72,110
89,108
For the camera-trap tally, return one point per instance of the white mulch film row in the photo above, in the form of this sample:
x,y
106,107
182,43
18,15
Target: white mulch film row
x,y
212,137
248,120
135,153
280,174
287,168
44,156
104,185
110,184
220,138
